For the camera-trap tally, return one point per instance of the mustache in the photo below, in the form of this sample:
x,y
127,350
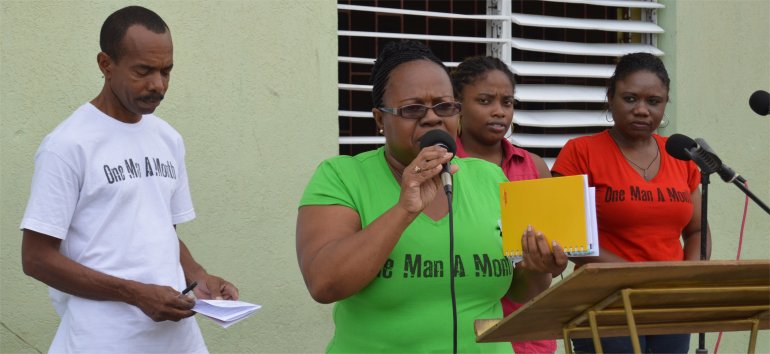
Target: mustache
x,y
152,97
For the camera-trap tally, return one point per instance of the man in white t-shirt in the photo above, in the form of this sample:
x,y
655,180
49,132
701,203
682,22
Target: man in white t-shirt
x,y
109,187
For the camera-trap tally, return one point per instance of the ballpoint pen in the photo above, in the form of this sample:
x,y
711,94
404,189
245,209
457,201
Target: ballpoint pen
x,y
189,288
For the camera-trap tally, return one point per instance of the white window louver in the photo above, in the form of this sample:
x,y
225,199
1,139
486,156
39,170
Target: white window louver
x,y
557,124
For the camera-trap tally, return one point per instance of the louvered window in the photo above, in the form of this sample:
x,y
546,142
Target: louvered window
x,y
562,53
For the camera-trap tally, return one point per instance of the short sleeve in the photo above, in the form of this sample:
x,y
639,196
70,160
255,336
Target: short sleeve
x,y
693,176
571,161
53,196
181,202
327,187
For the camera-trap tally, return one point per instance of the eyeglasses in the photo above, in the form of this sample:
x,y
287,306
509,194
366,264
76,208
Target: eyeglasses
x,y
417,111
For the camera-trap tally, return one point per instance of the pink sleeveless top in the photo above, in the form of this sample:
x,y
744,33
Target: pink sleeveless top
x,y
517,166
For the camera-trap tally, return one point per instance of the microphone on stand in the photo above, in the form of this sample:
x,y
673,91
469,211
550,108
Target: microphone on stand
x,y
707,153
760,102
681,147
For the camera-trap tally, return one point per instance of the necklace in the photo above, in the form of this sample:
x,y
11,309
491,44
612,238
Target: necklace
x,y
643,169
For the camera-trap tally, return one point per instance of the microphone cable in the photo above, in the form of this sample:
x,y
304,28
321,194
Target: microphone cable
x,y
438,137
452,270
740,246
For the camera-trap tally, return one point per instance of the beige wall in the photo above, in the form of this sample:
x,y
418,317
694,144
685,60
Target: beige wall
x,y
718,54
254,94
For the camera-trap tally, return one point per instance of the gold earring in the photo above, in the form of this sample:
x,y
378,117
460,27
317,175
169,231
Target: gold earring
x,y
663,122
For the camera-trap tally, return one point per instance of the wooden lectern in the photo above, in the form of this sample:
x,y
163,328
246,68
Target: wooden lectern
x,y
630,299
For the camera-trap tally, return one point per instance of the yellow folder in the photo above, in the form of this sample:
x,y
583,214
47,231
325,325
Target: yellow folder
x,y
562,208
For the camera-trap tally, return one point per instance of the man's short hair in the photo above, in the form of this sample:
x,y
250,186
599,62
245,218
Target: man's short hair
x,y
116,25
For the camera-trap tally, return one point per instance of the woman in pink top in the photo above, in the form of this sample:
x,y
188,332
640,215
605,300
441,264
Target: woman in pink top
x,y
485,86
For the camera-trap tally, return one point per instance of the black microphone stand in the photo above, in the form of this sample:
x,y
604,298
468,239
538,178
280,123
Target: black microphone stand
x,y
706,169
704,182
753,197
711,163
705,172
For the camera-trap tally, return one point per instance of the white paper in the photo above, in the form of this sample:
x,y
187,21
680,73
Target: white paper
x,y
592,231
593,228
225,312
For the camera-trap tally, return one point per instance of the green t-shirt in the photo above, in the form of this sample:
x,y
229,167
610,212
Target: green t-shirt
x,y
407,308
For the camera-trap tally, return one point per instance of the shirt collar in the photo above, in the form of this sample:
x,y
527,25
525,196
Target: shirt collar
x,y
509,151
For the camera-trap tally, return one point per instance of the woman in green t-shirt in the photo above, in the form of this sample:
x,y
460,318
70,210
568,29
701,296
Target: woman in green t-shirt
x,y
372,229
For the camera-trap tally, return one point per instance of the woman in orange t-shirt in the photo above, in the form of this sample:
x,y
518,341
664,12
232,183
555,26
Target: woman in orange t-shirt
x,y
485,86
647,202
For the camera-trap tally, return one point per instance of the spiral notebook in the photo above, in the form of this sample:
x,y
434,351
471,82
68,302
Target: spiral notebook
x,y
562,208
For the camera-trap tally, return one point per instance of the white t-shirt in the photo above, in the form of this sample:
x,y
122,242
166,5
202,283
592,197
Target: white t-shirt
x,y
112,192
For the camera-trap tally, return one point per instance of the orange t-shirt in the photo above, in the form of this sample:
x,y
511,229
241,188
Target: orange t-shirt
x,y
638,220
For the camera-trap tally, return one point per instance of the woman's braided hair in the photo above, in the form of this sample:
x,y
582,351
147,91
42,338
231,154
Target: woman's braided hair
x,y
393,55
474,67
634,62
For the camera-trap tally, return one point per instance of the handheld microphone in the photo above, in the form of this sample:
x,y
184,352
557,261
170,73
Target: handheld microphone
x,y
681,147
760,102
441,138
